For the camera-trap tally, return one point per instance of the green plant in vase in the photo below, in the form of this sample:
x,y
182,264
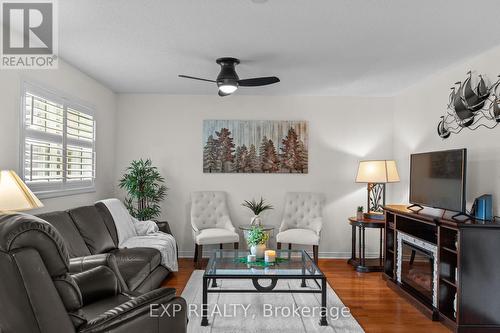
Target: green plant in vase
x,y
359,213
145,189
256,240
257,208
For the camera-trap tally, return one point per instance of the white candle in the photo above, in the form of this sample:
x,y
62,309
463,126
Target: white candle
x,y
270,256
251,258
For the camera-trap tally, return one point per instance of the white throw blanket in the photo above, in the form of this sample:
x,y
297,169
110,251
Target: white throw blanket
x,y
135,233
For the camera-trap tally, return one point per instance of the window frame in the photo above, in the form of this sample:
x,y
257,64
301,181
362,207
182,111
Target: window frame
x,y
65,188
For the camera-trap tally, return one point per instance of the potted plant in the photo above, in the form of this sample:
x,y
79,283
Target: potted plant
x,y
256,240
257,208
145,188
359,213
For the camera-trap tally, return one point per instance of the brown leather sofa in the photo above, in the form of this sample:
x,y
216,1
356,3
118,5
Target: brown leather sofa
x,y
39,293
90,235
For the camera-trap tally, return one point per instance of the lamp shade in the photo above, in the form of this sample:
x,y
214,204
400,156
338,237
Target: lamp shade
x,y
382,171
14,194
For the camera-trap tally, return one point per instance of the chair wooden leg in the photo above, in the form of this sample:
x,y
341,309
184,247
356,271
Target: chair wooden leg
x,y
195,259
220,246
315,253
278,245
236,245
199,257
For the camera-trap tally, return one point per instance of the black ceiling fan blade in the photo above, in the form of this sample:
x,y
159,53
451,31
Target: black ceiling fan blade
x,y
258,81
197,78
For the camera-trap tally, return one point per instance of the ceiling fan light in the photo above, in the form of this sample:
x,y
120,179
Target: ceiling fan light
x,y
228,88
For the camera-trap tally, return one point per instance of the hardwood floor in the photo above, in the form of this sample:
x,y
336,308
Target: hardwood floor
x,y
376,307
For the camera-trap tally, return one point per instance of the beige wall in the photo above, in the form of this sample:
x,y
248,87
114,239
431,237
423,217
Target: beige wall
x,y
73,83
168,129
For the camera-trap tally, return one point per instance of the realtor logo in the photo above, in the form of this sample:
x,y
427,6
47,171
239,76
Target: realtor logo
x,y
29,34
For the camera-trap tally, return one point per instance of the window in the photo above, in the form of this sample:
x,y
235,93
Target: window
x,y
58,144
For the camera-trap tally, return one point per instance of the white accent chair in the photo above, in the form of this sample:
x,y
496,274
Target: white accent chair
x,y
302,221
211,222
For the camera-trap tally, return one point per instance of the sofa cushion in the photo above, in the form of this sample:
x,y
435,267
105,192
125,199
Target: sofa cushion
x,y
108,220
93,229
146,254
135,264
125,313
72,238
134,272
92,311
154,280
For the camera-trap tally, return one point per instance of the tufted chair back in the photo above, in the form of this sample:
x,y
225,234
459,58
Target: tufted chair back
x,y
209,210
303,210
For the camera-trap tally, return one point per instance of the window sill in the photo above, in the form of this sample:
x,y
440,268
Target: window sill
x,y
63,193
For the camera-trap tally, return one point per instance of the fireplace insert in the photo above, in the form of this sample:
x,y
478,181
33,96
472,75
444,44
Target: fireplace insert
x,y
417,269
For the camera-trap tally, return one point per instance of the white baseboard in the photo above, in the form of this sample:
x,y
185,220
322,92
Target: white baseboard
x,y
324,255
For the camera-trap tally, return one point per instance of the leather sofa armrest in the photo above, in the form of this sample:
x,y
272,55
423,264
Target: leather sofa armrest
x,y
82,264
140,311
164,226
96,284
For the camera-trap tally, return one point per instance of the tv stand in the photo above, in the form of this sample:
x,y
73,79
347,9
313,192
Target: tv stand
x,y
466,255
454,217
420,208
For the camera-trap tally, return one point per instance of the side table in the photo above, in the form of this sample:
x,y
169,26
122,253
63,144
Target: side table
x,y
361,264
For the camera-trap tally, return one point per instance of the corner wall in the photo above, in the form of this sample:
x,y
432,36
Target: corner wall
x,y
416,116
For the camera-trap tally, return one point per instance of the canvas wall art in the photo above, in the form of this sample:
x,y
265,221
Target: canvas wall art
x,y
255,146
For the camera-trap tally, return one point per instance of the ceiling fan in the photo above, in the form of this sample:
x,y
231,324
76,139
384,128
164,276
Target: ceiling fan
x,y
228,81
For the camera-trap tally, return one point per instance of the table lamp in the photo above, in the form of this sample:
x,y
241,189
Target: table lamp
x,y
376,174
14,194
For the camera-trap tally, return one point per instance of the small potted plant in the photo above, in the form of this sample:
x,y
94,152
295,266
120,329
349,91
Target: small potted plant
x,y
359,213
256,240
257,208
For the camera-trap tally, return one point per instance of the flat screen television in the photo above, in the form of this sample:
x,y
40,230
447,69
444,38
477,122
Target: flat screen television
x,y
437,179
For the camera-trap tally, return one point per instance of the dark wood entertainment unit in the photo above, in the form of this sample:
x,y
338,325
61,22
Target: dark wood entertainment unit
x,y
468,265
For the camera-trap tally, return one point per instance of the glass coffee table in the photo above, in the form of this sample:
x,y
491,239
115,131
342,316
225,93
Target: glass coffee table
x,y
290,265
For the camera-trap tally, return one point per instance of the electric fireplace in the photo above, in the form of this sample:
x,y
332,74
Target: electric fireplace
x,y
462,289
417,269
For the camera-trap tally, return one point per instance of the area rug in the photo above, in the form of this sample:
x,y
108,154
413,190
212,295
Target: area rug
x,y
265,312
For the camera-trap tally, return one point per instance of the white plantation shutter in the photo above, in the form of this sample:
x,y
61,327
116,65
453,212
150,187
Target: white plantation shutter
x,y
80,125
80,163
43,162
58,138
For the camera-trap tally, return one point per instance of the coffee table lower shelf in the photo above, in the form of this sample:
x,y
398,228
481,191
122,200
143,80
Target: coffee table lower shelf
x,y
264,289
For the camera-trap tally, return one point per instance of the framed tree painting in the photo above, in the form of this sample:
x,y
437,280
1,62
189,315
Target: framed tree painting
x,y
255,146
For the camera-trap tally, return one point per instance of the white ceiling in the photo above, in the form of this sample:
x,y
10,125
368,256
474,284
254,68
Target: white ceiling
x,y
316,47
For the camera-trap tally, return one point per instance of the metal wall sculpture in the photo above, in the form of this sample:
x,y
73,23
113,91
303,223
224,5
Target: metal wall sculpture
x,y
471,106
